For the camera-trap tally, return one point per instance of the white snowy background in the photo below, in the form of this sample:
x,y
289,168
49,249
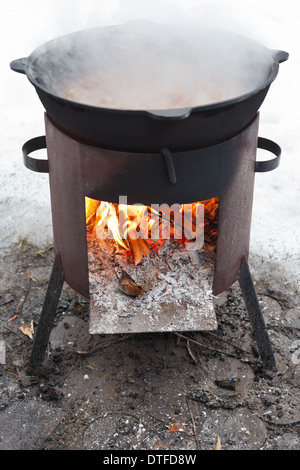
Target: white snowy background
x,y
24,195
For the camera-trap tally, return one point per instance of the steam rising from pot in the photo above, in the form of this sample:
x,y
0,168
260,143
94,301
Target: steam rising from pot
x,y
145,65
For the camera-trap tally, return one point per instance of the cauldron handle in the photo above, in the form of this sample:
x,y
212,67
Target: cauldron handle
x,y
170,114
270,146
19,65
280,56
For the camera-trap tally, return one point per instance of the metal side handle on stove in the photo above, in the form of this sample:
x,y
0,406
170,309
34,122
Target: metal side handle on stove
x,y
270,146
34,164
41,166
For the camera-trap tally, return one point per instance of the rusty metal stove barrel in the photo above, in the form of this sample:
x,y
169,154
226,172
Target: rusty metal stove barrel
x,y
76,170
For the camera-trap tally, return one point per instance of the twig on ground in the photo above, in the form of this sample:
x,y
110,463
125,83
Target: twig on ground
x,y
227,342
101,347
12,319
193,422
206,346
190,352
290,369
23,298
23,338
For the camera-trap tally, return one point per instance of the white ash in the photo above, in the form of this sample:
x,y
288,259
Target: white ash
x,y
176,295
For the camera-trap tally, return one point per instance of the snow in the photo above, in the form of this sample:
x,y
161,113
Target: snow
x,y
24,195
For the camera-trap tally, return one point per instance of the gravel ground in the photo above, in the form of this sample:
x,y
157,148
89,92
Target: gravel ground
x,y
173,391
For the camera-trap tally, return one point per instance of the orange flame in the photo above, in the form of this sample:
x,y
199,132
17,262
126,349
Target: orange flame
x,y
134,227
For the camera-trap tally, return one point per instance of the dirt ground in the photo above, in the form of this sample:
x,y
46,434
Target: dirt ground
x,y
173,391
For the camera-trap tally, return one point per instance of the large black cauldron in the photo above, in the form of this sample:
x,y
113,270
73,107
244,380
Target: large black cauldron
x,y
55,65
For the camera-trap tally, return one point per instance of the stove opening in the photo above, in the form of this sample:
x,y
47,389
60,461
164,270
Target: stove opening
x,y
151,265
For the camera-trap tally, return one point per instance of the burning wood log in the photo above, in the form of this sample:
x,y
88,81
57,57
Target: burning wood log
x,y
138,247
211,207
135,250
144,246
91,206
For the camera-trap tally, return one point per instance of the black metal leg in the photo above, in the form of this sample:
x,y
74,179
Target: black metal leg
x,y
47,317
256,318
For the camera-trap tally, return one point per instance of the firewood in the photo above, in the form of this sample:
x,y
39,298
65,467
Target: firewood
x,y
138,247
144,246
135,249
91,206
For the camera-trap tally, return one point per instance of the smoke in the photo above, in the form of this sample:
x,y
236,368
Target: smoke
x,y
142,64
75,14
211,13
35,22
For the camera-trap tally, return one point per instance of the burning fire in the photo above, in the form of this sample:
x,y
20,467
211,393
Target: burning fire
x,y
136,229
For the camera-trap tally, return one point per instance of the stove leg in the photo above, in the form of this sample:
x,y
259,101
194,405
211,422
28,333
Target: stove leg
x,y
47,317
258,324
